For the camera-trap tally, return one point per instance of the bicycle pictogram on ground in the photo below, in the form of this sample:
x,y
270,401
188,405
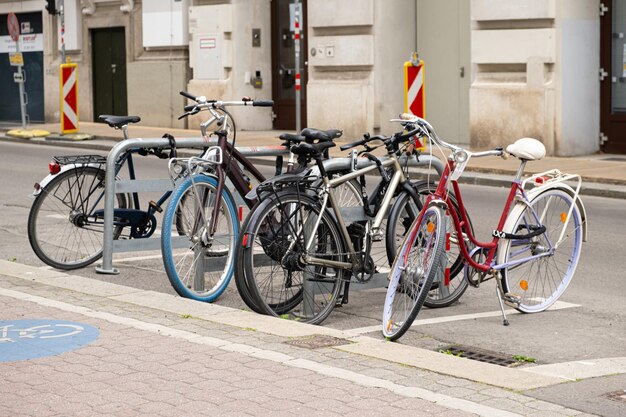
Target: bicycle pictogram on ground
x,y
30,339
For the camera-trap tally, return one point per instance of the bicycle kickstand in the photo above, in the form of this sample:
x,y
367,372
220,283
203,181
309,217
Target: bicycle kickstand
x,y
505,321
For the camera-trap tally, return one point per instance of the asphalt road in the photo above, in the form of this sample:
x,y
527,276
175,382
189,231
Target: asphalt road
x,y
592,326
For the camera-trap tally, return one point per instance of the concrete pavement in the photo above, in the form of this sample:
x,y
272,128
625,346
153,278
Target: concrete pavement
x,y
158,354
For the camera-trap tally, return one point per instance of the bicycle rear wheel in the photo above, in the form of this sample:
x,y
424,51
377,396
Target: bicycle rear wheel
x,y
65,223
348,196
199,265
273,250
413,271
541,281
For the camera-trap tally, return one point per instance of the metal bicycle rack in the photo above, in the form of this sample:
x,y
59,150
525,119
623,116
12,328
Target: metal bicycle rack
x,y
113,186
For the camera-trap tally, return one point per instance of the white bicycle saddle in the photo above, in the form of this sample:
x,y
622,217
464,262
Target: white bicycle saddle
x,y
527,148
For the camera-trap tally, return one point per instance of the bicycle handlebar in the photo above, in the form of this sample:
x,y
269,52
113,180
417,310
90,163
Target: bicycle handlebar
x,y
428,129
203,104
189,96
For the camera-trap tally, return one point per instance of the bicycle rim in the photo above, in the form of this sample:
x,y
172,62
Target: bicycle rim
x,y
277,277
413,272
540,282
65,223
199,265
448,284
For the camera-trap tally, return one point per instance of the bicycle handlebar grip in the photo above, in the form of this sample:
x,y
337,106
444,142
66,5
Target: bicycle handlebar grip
x,y
190,107
189,96
410,134
263,103
353,144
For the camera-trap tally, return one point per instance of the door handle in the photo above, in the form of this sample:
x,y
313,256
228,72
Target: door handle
x,y
462,72
113,68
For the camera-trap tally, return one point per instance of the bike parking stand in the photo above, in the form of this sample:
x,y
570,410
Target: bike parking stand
x,y
113,186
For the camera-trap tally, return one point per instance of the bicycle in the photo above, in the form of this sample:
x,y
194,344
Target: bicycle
x,y
65,223
198,234
295,233
535,247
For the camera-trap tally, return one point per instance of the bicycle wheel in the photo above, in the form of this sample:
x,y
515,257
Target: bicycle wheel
x,y
240,276
65,223
348,195
447,287
199,265
281,283
412,272
541,281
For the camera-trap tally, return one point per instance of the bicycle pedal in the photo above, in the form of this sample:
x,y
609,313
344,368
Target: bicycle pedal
x,y
512,300
155,206
377,236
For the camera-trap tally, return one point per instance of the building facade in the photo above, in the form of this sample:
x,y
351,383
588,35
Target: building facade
x,y
496,70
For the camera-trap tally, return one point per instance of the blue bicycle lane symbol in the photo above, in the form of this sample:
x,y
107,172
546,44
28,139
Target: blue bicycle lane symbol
x,y
30,339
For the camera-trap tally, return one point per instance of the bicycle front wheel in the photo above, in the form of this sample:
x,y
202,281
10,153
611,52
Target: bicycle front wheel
x,y
448,286
274,257
544,276
199,264
413,271
66,224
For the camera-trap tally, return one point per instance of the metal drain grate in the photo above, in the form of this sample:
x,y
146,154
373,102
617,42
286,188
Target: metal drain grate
x,y
480,355
619,396
317,341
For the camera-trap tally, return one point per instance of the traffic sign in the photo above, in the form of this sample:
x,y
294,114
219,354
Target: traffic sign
x,y
14,26
69,98
18,77
16,59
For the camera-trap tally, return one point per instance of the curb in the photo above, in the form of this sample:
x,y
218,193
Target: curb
x,y
471,176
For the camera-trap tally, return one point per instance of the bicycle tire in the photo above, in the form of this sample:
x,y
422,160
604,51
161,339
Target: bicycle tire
x,y
62,229
445,291
297,292
348,195
184,254
540,282
240,276
413,272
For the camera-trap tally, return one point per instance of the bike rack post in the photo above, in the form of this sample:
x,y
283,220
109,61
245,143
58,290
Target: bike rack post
x,y
111,186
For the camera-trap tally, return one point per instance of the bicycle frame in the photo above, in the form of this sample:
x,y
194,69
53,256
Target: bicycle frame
x,y
517,195
328,195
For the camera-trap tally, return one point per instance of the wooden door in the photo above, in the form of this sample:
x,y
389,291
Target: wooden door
x,y
109,71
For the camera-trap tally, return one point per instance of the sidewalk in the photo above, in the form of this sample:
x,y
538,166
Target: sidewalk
x,y
157,354
603,174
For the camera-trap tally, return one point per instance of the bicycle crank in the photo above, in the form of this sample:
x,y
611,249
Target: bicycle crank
x,y
473,276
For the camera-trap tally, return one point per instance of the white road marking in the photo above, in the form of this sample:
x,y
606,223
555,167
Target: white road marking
x,y
559,305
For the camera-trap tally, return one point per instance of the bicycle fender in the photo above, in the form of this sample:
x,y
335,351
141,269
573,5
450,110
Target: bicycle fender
x,y
253,194
520,206
568,189
247,237
46,180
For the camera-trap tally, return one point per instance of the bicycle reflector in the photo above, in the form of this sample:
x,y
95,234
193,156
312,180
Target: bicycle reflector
x,y
54,167
541,180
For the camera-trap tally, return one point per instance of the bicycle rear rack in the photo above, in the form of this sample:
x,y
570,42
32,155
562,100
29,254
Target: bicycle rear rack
x,y
80,159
